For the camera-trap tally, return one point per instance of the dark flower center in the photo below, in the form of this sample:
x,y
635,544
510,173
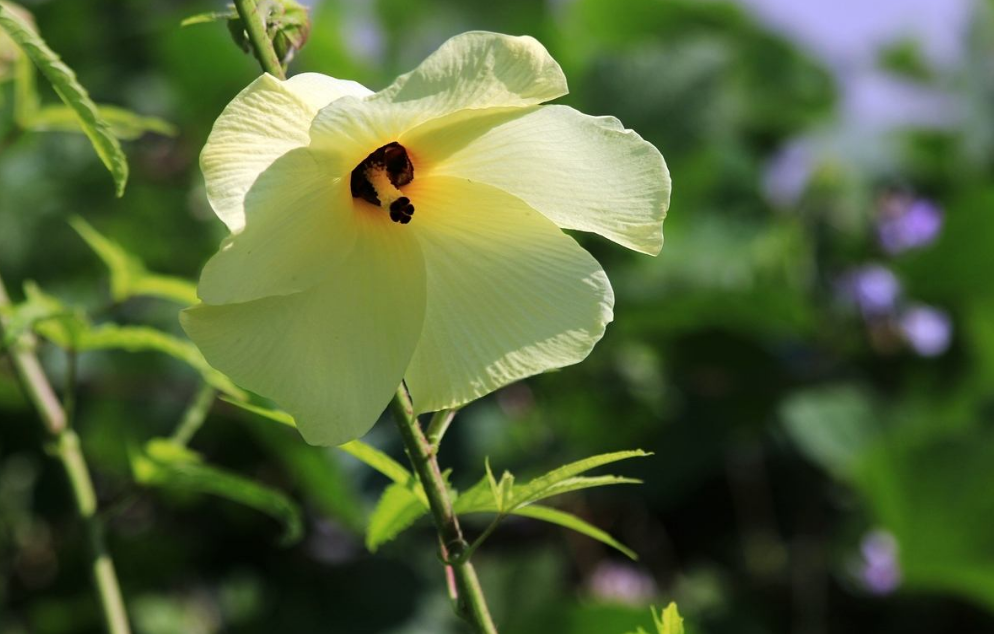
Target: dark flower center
x,y
380,175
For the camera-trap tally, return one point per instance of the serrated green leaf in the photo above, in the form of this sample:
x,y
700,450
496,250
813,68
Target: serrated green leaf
x,y
535,489
670,621
128,275
209,16
124,124
165,464
572,522
363,452
398,508
71,92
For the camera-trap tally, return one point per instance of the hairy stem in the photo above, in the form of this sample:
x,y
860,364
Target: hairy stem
x,y
66,447
255,27
470,601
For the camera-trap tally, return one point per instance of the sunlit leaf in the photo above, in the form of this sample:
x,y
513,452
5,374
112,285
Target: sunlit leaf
x,y
169,465
64,82
124,124
669,621
399,507
536,489
128,275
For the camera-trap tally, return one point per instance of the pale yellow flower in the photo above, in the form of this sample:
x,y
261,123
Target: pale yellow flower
x,y
414,233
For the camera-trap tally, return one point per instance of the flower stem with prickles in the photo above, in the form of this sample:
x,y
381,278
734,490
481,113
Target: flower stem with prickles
x,y
255,26
470,601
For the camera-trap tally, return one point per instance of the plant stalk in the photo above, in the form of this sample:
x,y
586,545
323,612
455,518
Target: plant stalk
x,y
66,447
470,604
262,47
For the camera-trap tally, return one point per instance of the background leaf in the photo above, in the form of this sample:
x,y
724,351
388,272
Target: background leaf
x,y
165,464
63,80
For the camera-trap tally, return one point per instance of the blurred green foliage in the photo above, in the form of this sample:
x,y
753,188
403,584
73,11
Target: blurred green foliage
x,y
785,424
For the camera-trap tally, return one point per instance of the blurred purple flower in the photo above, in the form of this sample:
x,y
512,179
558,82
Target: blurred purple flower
x,y
873,288
879,569
907,223
927,330
621,583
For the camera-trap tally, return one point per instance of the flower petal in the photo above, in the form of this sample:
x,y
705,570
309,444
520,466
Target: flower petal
x,y
509,294
264,121
299,229
469,71
582,172
333,355
480,70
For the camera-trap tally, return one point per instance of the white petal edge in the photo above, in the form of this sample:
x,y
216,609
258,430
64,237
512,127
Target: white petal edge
x,y
509,294
333,355
581,172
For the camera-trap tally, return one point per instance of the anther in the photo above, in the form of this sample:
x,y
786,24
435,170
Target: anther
x,y
378,177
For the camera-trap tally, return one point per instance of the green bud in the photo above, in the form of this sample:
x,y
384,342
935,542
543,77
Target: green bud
x,y
288,25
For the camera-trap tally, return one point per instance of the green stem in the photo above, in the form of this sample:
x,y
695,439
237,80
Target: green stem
x,y
438,425
66,447
471,604
255,26
195,415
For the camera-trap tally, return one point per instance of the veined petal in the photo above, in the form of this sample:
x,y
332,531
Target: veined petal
x,y
509,294
581,172
469,71
301,228
264,121
332,355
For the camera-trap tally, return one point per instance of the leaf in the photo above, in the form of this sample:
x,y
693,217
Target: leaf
x,y
363,452
124,124
398,508
209,16
536,489
831,426
68,327
171,466
572,522
479,497
503,491
65,84
378,460
139,339
128,275
37,307
670,621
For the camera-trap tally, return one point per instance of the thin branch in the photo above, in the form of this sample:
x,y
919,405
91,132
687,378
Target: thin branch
x,y
471,604
66,448
438,425
195,415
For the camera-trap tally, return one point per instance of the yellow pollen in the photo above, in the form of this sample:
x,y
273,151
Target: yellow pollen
x,y
380,180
